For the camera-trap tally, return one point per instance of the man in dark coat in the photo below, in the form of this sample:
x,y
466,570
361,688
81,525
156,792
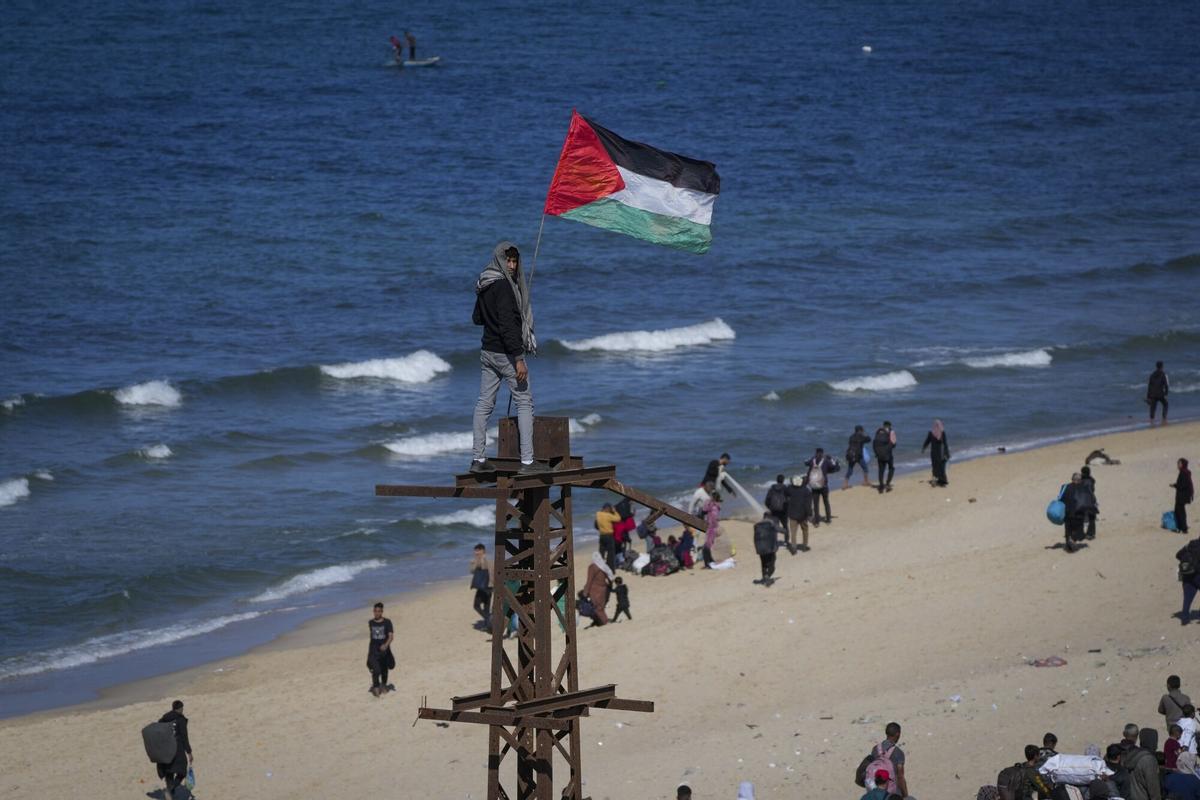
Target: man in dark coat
x,y
799,509
766,542
1185,492
176,772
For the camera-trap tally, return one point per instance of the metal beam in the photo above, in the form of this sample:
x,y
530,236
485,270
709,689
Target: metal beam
x,y
584,697
618,704
651,502
494,717
392,490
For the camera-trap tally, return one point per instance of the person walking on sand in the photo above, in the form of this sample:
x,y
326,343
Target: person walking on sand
x,y
481,582
596,586
776,501
621,590
1157,389
175,773
712,519
766,543
889,749
939,451
379,650
1185,493
820,467
884,443
799,509
1079,503
1171,704
502,308
1089,482
856,455
1189,577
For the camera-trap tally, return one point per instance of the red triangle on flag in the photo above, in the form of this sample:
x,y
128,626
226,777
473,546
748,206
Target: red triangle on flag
x,y
585,172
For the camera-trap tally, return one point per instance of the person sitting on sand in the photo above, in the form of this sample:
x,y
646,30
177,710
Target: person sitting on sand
x,y
683,550
596,586
1183,782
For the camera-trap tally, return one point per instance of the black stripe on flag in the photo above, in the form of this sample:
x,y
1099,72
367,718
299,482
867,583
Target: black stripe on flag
x,y
679,171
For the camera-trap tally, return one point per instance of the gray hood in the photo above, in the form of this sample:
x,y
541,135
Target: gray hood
x,y
497,270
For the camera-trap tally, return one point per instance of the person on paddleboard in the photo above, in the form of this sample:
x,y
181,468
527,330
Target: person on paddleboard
x,y
412,45
397,49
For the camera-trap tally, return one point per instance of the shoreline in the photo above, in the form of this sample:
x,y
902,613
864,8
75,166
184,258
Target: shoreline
x,y
319,628
778,685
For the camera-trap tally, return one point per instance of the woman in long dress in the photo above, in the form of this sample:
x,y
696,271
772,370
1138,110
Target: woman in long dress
x,y
596,586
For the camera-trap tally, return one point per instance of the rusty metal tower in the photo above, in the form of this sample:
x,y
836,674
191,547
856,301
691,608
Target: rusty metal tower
x,y
534,707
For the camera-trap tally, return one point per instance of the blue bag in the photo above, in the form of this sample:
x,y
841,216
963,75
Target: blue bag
x,y
1056,512
1168,521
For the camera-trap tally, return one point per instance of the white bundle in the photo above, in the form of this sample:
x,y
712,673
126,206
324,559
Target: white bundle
x,y
1075,770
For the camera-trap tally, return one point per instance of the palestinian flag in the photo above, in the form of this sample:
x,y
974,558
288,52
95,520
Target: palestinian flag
x,y
633,188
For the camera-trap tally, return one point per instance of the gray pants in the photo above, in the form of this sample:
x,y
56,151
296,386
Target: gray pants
x,y
494,368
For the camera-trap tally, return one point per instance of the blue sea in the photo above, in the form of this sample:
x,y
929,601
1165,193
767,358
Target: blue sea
x,y
238,248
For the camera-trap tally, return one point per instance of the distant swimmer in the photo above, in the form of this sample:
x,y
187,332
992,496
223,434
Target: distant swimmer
x,y
1157,389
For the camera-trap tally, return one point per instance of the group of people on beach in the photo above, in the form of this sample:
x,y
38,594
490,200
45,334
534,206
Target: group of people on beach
x,y
1133,768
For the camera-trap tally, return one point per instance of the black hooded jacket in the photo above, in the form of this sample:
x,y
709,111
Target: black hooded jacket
x,y
497,311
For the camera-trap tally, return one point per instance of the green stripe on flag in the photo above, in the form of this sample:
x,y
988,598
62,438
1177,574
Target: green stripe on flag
x,y
614,215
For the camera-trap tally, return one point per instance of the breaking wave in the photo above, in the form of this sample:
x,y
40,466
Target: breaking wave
x,y
1027,358
481,517
156,451
115,644
13,490
419,367
150,393
316,579
656,341
887,382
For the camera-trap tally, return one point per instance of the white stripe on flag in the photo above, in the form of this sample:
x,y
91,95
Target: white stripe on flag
x,y
660,197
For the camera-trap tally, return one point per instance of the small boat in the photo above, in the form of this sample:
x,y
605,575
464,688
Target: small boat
x,y
421,62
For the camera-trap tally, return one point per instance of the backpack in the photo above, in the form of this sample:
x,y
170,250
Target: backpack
x,y
880,759
776,499
1011,781
816,476
882,443
159,741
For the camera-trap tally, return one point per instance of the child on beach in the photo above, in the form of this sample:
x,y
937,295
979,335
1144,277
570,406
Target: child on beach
x,y
622,600
481,583
712,516
379,651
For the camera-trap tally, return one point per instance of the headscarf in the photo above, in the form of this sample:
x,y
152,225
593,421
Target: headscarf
x,y
1186,763
498,270
938,430
599,561
745,791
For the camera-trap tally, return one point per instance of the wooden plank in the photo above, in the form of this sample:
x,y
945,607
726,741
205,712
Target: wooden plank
x,y
653,503
493,717
392,490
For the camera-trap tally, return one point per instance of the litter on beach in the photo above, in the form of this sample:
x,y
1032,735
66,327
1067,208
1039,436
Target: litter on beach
x,y
1052,661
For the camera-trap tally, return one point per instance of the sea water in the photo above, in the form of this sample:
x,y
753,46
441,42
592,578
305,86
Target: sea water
x,y
237,257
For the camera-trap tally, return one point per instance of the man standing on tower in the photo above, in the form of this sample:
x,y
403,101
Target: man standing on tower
x,y
502,308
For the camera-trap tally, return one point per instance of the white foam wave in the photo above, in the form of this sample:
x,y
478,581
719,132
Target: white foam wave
x,y
431,444
12,402
888,381
115,644
156,451
771,396
1027,358
419,367
1183,388
43,475
480,517
581,425
316,579
150,393
657,341
13,490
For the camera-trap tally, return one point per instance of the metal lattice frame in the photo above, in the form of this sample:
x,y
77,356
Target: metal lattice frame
x,y
534,706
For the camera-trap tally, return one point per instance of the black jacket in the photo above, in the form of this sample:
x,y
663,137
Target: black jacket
x,y
766,537
1157,385
183,747
1185,492
799,503
854,448
941,447
497,311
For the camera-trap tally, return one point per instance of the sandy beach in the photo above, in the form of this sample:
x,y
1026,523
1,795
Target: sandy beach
x,y
906,600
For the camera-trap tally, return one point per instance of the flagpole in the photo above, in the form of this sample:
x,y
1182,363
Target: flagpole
x,y
538,244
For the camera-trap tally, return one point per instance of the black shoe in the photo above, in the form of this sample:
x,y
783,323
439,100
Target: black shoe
x,y
478,467
534,468
887,488
828,520
792,549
